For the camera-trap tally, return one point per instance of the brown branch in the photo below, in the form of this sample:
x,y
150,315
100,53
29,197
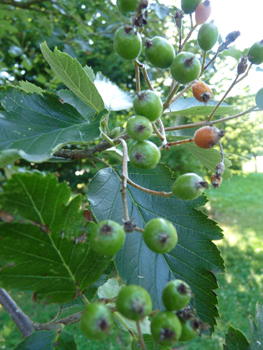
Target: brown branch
x,y
22,321
55,325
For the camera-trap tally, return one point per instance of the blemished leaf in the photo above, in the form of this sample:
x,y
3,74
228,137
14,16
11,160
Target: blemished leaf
x,y
67,96
235,340
48,340
42,251
36,126
30,88
194,257
114,98
256,328
190,106
73,75
109,290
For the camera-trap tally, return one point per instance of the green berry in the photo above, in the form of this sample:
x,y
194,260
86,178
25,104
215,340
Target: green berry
x,y
185,67
148,104
190,329
166,328
127,43
207,36
126,6
255,53
189,186
134,302
160,235
259,98
139,128
144,155
96,321
176,295
159,52
189,6
107,237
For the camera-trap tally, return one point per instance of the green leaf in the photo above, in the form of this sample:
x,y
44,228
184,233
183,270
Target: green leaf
x,y
190,106
235,340
8,156
150,344
210,158
194,257
30,88
48,340
43,254
36,126
71,73
256,328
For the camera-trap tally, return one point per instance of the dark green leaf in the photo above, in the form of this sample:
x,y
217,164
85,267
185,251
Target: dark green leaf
x,y
256,328
235,340
193,258
72,74
36,126
41,252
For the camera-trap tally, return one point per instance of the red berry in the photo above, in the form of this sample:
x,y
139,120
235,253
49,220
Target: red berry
x,y
202,92
203,12
208,136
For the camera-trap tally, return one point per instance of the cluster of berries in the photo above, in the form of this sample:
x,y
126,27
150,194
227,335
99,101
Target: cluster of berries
x,y
176,323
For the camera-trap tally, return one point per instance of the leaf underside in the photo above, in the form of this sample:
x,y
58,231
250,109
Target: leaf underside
x,y
194,257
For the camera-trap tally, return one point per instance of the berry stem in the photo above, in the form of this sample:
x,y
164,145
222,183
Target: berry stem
x,y
167,103
164,141
107,138
212,59
22,321
203,65
124,179
140,335
144,71
193,27
157,131
221,151
86,301
222,99
74,318
246,74
170,96
137,77
154,193
178,143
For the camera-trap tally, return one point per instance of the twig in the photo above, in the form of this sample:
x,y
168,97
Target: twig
x,y
182,91
154,193
137,77
22,321
213,58
124,180
144,71
140,335
170,96
187,37
107,138
55,325
157,131
180,142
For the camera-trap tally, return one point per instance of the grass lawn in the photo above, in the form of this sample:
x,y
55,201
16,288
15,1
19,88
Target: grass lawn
x,y
238,208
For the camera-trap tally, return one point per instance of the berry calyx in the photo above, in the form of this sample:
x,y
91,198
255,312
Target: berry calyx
x,y
144,155
203,12
148,104
185,67
96,321
139,128
189,186
207,36
189,6
176,295
127,43
190,329
159,52
208,136
259,98
202,92
160,235
134,302
107,237
166,328
216,180
255,53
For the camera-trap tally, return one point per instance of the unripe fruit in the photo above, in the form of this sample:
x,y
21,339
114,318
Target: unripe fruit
x,y
139,128
176,295
96,321
159,52
207,136
185,67
207,36
189,6
255,53
202,92
126,6
189,186
166,328
148,104
144,155
127,43
107,237
190,329
160,235
259,98
134,302
203,12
